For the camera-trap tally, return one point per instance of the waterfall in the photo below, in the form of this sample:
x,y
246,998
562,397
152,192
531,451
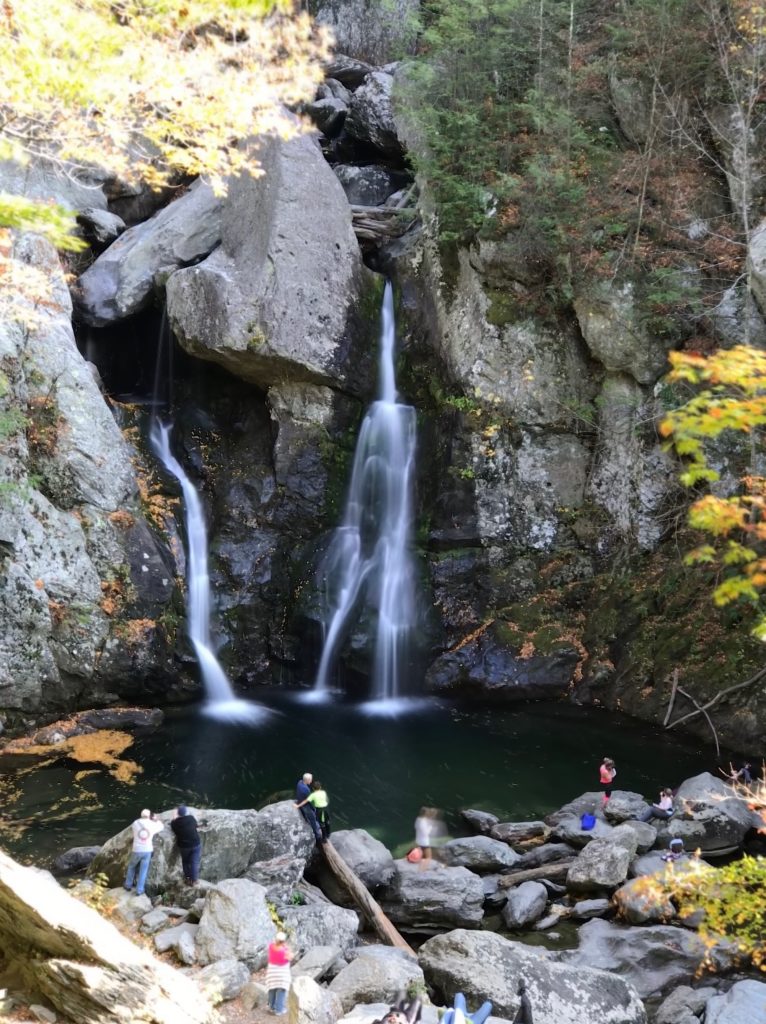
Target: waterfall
x,y
221,700
369,560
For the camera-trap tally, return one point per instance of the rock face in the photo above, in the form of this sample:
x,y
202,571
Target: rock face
x,y
486,966
121,280
280,298
709,815
437,897
80,963
229,840
235,924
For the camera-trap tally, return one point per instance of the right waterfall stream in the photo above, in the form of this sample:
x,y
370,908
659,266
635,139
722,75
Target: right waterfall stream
x,y
369,562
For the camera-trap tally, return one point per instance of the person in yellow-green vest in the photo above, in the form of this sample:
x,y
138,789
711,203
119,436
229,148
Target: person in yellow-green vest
x,y
320,801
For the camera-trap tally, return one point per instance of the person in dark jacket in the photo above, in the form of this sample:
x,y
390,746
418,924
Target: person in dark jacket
x,y
184,827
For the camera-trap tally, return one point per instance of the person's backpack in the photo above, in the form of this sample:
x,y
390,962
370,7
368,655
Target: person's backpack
x,y
587,821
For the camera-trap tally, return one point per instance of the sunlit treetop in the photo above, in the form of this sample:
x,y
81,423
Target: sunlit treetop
x,y
148,88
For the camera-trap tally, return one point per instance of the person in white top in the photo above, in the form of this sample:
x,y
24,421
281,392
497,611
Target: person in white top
x,y
663,809
145,829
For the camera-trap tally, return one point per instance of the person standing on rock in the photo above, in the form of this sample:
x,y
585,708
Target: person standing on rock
x,y
145,829
302,793
278,973
184,827
606,773
320,801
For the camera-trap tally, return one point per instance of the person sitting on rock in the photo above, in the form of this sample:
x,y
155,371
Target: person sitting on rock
x,y
302,793
674,852
145,829
184,827
663,809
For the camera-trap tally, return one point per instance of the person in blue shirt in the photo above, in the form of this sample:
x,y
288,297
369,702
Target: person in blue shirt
x,y
302,793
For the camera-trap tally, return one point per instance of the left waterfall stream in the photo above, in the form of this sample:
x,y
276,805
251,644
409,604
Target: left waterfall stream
x,y
221,701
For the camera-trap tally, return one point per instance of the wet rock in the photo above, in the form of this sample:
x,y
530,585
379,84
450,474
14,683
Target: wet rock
x,y
367,186
709,816
517,831
585,910
370,117
121,718
366,856
308,1003
526,904
75,859
317,962
223,980
683,1002
653,959
425,900
480,821
235,924
121,281
479,854
601,865
375,979
229,840
321,924
283,297
639,903
483,966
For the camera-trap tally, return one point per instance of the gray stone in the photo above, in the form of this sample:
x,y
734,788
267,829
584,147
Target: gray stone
x,y
254,995
741,146
169,938
76,859
517,831
185,948
640,903
735,318
709,816
548,853
526,904
321,924
570,831
683,1001
425,900
100,226
317,962
367,186
366,856
127,906
348,70
585,910
229,841
480,821
235,924
223,980
625,835
645,834
745,1001
120,282
647,864
375,978
277,301
155,920
601,865
624,806
328,115
43,1013
479,854
652,959
308,1003
279,876
483,966
60,182
371,30
370,116
332,87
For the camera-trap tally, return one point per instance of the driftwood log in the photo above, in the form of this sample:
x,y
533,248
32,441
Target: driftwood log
x,y
378,223
359,893
551,871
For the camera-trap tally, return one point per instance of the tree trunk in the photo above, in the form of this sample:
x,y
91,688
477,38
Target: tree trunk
x,y
559,869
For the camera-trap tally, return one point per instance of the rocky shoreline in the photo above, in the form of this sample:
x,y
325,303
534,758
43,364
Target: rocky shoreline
x,y
493,911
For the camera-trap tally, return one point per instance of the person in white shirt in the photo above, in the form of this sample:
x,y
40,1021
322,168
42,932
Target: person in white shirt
x,y
663,809
145,829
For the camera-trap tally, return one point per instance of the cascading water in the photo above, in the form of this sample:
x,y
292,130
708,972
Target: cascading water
x,y
221,700
369,560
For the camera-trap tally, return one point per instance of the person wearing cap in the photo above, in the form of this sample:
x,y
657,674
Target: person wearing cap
x,y
184,826
144,829
674,851
278,974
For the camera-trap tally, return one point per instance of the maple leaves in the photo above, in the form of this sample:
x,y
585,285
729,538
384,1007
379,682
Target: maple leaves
x,y
732,398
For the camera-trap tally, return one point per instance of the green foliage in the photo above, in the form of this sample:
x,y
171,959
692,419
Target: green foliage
x,y
54,222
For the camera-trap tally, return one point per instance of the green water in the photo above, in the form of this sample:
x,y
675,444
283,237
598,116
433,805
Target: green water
x,y
519,763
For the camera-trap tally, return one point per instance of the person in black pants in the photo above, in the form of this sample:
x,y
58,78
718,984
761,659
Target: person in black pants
x,y
184,827
302,793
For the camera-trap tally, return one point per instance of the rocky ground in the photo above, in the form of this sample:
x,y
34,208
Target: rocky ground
x,y
560,907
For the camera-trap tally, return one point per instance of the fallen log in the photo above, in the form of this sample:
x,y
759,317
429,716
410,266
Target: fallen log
x,y
559,869
359,893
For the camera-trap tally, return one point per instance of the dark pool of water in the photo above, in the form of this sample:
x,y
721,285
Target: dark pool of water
x,y
519,763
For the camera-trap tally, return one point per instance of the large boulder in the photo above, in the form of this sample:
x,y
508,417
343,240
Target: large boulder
x,y
309,1003
640,902
601,865
709,816
624,806
479,821
285,297
282,830
279,876
526,904
483,966
427,899
320,924
235,924
377,31
370,117
121,281
652,959
228,843
375,979
366,856
479,854
80,962
548,853
367,186
223,980
744,1002
75,859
